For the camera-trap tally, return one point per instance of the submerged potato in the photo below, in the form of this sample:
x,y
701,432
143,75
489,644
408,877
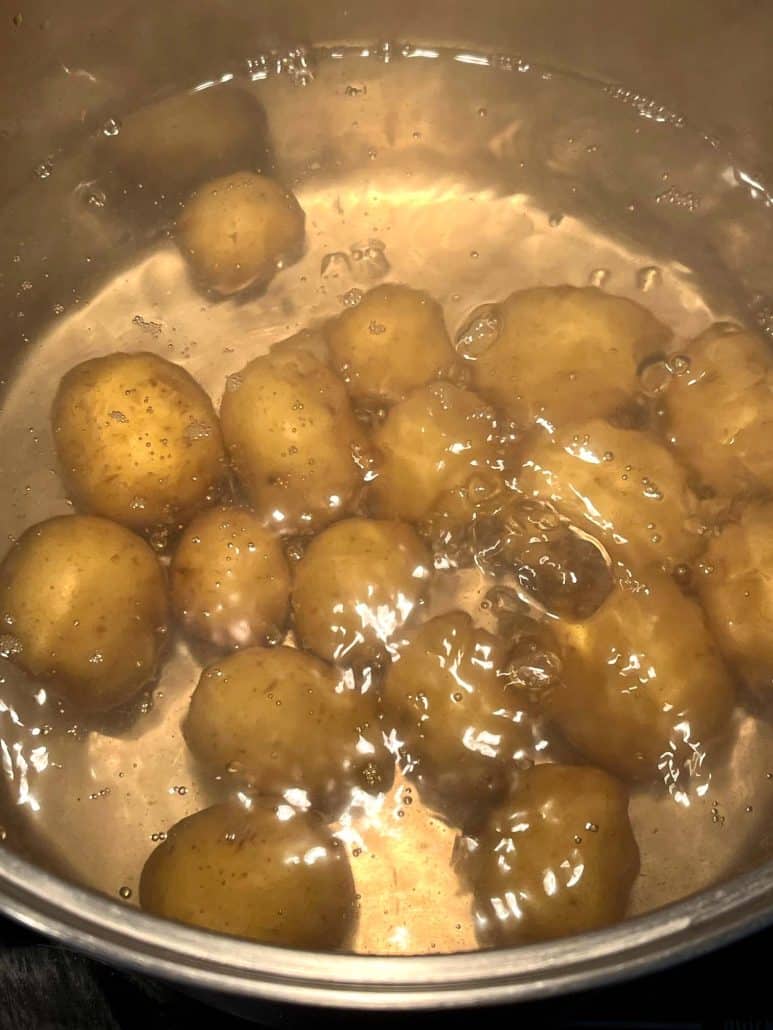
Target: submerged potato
x,y
356,586
557,858
83,604
230,579
719,404
642,681
736,589
557,351
237,230
286,721
438,438
138,440
293,440
272,875
621,485
394,340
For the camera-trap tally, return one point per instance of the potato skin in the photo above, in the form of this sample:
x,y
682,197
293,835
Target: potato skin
x,y
719,408
565,353
640,678
235,231
356,586
393,341
437,439
230,581
736,590
293,440
285,720
264,873
83,605
558,857
138,440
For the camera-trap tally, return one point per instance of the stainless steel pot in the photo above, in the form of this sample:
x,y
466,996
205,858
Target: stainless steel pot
x,y
65,66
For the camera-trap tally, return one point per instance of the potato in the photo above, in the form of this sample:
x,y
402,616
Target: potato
x,y
356,586
237,231
736,589
448,697
138,440
394,340
286,721
719,404
643,683
621,485
296,448
557,858
230,579
83,605
560,353
273,875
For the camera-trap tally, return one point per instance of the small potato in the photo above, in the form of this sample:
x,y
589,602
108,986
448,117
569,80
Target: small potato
x,y
737,593
448,697
621,485
293,440
269,874
239,230
559,352
230,579
83,604
356,586
286,721
719,403
438,438
557,858
642,683
394,340
138,440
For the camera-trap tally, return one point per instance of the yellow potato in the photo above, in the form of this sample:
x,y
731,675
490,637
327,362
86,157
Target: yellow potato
x,y
272,875
719,404
138,440
557,858
83,604
438,438
296,448
621,485
448,697
643,683
356,586
561,353
286,721
230,579
238,231
394,340
736,588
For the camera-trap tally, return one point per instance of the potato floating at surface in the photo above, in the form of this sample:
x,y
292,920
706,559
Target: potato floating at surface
x,y
557,858
293,440
438,438
230,579
719,403
272,875
356,586
622,485
560,352
138,440
736,589
394,340
236,231
642,682
83,604
285,720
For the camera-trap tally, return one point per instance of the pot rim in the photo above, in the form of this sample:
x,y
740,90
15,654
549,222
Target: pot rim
x,y
108,930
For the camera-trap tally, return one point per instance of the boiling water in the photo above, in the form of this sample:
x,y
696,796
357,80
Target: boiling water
x,y
467,175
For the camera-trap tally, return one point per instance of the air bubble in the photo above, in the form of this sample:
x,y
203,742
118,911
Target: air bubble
x,y
111,127
599,277
555,220
352,297
125,892
356,89
648,278
44,169
10,645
